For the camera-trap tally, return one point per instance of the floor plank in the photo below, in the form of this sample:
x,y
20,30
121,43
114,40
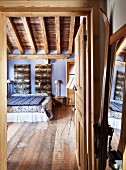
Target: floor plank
x,y
16,146
43,145
12,129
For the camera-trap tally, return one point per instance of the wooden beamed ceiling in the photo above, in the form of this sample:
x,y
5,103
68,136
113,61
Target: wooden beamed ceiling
x,y
42,35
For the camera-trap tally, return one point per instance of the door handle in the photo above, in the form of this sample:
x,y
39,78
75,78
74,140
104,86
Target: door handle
x,y
74,88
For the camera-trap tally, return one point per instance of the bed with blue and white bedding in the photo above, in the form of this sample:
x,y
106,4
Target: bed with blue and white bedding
x,y
115,114
29,108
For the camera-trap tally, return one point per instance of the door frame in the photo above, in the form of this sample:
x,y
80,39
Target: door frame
x,y
12,12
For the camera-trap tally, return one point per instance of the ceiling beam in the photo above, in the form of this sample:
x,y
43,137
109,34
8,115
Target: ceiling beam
x,y
121,46
29,34
39,56
44,36
81,12
15,35
72,24
118,34
8,46
57,24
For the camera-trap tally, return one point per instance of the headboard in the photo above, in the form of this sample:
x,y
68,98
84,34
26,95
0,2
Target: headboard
x,y
22,83
43,74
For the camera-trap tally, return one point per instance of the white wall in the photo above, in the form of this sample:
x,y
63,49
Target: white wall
x,y
118,10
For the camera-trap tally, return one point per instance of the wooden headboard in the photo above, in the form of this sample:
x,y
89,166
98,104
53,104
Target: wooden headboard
x,y
43,74
22,83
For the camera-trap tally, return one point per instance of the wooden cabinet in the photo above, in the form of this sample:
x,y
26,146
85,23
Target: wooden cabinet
x,y
70,79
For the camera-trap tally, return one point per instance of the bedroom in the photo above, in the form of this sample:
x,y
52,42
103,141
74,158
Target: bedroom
x,y
51,37
35,77
28,77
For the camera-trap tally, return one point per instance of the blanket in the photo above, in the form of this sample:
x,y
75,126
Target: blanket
x,y
25,100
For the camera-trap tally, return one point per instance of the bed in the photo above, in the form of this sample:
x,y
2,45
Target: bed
x,y
115,114
29,108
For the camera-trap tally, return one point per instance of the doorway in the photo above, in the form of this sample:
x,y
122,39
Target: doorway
x,y
90,45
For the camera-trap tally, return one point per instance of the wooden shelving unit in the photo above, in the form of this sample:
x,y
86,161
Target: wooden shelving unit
x,y
70,73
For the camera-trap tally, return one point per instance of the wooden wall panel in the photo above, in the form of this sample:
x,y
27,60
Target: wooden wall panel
x,y
3,93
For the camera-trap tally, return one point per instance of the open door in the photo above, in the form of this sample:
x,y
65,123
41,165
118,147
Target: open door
x,y
80,97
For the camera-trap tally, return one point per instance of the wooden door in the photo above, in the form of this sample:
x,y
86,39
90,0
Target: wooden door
x,y
80,97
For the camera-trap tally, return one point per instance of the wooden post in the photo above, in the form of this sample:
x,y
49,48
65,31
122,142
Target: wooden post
x,y
3,91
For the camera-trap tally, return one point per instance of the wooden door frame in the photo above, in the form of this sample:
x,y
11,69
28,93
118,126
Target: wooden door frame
x,y
79,11
68,99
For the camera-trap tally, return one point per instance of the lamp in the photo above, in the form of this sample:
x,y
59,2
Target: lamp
x,y
57,86
8,87
8,81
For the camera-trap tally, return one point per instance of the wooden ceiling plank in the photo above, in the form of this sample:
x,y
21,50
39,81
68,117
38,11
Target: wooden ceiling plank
x,y
121,46
39,56
43,31
57,24
72,25
15,35
29,34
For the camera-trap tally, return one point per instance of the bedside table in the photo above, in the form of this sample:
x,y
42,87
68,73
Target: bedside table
x,y
59,99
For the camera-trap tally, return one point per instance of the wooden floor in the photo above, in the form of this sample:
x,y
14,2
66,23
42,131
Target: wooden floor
x,y
40,146
44,145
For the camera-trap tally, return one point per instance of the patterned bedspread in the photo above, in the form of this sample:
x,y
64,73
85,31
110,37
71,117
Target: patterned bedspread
x,y
44,101
115,106
115,110
25,100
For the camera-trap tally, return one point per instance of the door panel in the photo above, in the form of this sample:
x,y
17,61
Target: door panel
x,y
80,96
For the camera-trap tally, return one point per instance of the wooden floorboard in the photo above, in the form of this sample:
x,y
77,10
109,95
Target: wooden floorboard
x,y
43,145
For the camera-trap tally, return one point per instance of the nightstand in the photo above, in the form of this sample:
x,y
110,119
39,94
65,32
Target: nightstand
x,y
59,99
